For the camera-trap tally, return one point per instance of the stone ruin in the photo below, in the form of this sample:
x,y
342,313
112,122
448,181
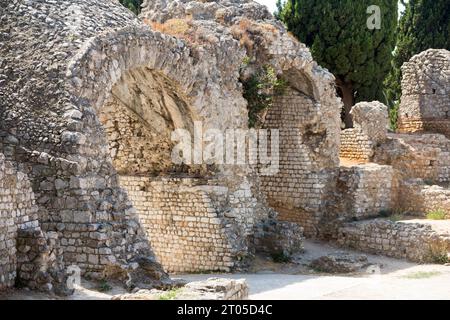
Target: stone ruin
x,y
405,172
90,96
425,103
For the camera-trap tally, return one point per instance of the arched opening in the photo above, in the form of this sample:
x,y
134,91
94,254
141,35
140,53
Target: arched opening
x,y
293,191
179,217
143,110
138,93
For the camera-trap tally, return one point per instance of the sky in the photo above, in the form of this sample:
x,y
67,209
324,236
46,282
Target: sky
x,y
271,4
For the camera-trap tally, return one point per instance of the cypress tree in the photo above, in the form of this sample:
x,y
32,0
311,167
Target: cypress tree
x,y
132,5
341,41
425,24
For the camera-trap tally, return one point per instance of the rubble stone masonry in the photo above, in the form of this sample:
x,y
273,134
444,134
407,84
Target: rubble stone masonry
x,y
425,101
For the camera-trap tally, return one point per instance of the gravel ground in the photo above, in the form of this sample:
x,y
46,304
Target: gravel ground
x,y
394,279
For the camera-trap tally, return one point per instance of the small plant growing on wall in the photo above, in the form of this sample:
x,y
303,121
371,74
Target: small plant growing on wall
x,y
133,5
259,91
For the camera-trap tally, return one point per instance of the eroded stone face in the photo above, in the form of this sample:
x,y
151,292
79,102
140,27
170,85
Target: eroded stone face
x,y
425,102
370,121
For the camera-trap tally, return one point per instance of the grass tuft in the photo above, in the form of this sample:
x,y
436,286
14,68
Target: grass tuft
x,y
422,275
437,215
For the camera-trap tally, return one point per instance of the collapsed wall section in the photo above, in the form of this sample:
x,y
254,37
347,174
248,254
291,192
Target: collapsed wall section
x,y
370,121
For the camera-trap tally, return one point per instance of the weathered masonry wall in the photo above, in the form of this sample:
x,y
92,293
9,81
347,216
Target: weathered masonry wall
x,y
419,199
413,241
425,102
139,117
424,125
365,191
425,156
24,250
299,189
370,121
355,145
185,221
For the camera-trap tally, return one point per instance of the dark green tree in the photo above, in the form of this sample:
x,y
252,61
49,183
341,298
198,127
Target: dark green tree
x,y
339,37
133,5
424,24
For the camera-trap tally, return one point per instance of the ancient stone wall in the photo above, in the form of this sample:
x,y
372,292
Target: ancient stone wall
x,y
355,146
413,241
370,120
91,91
306,112
53,133
365,191
27,255
425,102
418,198
425,156
299,189
186,222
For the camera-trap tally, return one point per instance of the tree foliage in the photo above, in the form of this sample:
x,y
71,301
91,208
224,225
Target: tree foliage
x,y
425,24
132,5
340,40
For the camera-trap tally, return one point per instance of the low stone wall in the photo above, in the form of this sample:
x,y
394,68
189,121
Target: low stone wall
x,y
186,224
365,190
355,145
419,199
413,241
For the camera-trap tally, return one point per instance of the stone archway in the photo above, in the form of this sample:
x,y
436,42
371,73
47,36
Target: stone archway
x,y
142,88
144,108
297,190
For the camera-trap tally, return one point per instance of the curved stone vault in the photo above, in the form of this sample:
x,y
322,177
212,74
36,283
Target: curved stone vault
x,y
90,95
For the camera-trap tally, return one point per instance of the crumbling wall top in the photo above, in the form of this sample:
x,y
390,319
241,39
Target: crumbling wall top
x,y
426,86
372,119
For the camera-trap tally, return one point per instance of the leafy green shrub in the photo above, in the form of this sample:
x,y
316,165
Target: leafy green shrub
x,y
437,215
280,257
259,92
393,116
104,286
422,275
132,5
170,295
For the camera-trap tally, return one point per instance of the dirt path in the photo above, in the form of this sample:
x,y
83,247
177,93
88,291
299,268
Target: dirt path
x,y
397,279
